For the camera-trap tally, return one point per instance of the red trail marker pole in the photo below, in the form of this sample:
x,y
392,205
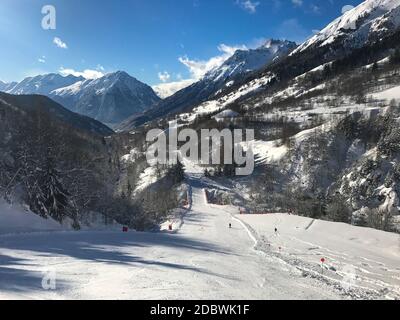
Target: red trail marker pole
x,y
322,264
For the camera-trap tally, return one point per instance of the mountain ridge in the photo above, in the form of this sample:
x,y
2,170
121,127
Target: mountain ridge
x,y
239,65
356,26
109,99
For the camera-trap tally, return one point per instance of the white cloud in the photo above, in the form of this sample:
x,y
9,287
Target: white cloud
x,y
59,43
347,8
42,59
248,5
165,90
297,3
198,68
87,74
164,76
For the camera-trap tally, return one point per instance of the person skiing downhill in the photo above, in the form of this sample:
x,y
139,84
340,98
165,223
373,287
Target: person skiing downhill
x,y
230,226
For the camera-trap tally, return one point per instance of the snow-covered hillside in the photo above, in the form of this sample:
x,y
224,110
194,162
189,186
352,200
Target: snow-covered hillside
x,y
205,259
17,219
388,95
217,82
246,61
365,22
213,106
355,258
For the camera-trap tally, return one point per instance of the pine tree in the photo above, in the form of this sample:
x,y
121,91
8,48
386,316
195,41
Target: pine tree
x,y
129,190
395,57
51,198
177,173
337,209
180,172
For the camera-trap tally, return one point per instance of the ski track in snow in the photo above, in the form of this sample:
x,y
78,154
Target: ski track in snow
x,y
376,279
203,260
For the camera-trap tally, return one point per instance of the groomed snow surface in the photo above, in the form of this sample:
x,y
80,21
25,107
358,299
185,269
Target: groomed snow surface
x,y
361,261
204,259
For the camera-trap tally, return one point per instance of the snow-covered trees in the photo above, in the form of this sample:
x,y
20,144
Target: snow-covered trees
x,y
338,210
158,199
47,195
38,152
176,173
57,170
395,57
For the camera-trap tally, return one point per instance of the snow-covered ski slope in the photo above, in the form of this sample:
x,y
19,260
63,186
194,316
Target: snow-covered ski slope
x,y
204,259
362,261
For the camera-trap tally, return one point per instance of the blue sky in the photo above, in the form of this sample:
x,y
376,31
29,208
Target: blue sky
x,y
153,40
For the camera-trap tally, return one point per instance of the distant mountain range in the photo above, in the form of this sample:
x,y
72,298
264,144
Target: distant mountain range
x,y
109,99
119,100
7,86
216,81
43,84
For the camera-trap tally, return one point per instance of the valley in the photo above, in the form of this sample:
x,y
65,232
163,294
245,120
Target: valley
x,y
270,171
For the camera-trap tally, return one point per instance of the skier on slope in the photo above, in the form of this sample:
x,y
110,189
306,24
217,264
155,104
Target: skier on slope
x,y
230,226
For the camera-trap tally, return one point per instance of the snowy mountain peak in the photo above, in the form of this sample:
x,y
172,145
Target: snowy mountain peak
x,y
5,86
275,44
244,61
118,79
109,99
216,82
43,84
268,43
359,24
118,75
